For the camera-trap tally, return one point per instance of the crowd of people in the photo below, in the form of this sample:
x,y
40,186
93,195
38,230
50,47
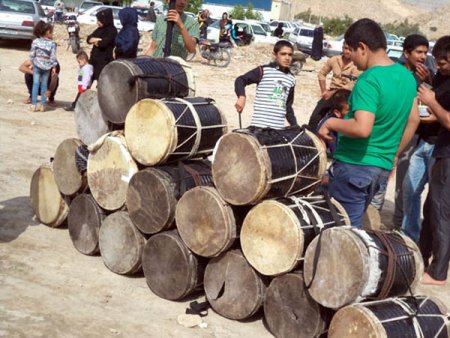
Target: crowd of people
x,y
368,116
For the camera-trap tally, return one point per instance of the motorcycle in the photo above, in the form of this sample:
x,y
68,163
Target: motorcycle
x,y
298,59
217,52
73,28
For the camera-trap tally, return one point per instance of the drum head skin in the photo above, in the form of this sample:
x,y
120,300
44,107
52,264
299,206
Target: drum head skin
x,y
342,270
289,310
239,181
150,132
47,202
271,238
109,170
68,178
89,119
121,244
232,287
209,230
151,200
84,221
171,270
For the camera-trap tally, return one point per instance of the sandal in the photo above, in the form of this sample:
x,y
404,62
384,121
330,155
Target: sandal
x,y
32,108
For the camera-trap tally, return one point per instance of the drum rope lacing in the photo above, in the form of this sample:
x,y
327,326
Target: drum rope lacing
x,y
190,107
170,78
412,313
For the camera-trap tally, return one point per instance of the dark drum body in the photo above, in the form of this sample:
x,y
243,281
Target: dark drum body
x,y
122,83
153,193
169,130
172,271
255,164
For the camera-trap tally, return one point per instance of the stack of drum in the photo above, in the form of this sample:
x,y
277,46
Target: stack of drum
x,y
247,228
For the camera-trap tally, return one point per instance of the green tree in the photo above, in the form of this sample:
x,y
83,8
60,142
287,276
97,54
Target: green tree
x,y
403,28
194,6
238,12
250,13
336,26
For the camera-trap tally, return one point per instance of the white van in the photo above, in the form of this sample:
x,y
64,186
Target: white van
x,y
259,35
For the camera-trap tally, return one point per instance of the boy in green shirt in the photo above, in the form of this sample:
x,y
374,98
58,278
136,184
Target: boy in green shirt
x,y
382,119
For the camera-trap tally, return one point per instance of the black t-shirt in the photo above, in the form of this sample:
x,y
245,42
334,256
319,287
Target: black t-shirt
x,y
441,85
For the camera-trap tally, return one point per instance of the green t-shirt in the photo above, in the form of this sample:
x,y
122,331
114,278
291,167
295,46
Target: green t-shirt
x,y
388,92
178,49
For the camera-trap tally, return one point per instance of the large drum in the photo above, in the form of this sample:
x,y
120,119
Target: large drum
x,y
121,244
109,169
153,193
346,265
84,221
253,164
415,317
48,204
172,271
159,131
89,119
67,176
212,228
275,233
233,288
290,312
122,83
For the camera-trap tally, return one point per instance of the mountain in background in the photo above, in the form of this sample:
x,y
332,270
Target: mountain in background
x,y
432,18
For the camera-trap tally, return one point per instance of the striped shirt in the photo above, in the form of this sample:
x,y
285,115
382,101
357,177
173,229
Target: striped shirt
x,y
274,95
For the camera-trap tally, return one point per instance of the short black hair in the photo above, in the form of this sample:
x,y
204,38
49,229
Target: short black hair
x,y
280,44
413,41
82,55
339,99
441,49
366,31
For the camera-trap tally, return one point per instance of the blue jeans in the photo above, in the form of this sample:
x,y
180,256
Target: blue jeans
x,y
354,187
418,174
40,77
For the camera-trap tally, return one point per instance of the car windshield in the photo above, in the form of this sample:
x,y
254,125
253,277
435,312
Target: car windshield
x,y
258,30
307,32
394,54
87,5
265,26
47,2
18,6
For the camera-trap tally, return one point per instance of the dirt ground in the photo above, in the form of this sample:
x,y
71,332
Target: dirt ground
x,y
48,289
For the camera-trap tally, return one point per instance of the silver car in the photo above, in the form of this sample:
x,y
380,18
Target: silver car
x,y
18,17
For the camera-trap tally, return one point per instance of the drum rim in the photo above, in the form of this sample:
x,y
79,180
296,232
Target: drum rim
x,y
264,165
227,217
120,142
299,239
188,258
60,150
158,173
322,153
353,293
63,209
143,107
140,240
364,313
100,216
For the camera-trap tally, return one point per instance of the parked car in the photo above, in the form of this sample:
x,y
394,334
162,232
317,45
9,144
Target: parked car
x,y
303,37
334,47
18,17
253,28
85,5
47,5
89,17
287,26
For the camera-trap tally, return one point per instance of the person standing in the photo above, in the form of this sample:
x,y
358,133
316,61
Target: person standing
x,y
317,44
43,58
127,40
59,10
151,12
52,85
438,101
186,33
84,80
204,21
382,119
278,32
103,39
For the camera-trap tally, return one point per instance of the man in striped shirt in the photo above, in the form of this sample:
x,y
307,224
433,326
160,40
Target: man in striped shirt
x,y
274,91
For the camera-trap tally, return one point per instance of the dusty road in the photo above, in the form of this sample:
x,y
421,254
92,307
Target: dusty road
x,y
48,289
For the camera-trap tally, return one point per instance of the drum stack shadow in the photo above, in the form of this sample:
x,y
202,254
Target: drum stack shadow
x,y
249,228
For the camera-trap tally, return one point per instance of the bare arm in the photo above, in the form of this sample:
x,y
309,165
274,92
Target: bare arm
x,y
428,97
151,49
189,41
410,128
26,67
359,127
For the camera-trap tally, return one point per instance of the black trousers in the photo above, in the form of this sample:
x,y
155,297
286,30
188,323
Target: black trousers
x,y
29,83
440,218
